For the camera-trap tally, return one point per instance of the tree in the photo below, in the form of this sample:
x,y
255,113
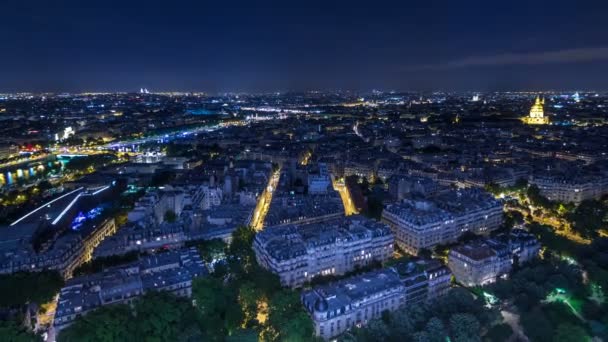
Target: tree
x,y
164,317
493,188
589,217
377,330
242,257
85,163
464,327
29,287
208,294
420,336
287,320
499,333
536,198
212,250
536,325
571,333
218,306
170,216
10,332
435,330
110,323
99,264
243,335
157,316
248,300
401,323
520,184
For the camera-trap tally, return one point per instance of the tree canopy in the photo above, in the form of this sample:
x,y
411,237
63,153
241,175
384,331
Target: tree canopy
x,y
458,315
154,317
10,332
29,287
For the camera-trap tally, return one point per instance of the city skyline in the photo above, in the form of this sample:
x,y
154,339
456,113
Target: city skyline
x,y
270,171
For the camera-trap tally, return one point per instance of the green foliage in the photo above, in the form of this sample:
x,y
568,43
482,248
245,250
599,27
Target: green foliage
x,y
537,199
243,335
499,333
435,330
170,216
210,250
225,305
589,217
571,333
287,319
93,161
241,256
493,188
226,308
530,288
25,287
110,323
531,284
554,243
154,317
376,330
167,318
458,315
536,325
10,332
99,264
512,218
520,185
212,301
558,313
464,327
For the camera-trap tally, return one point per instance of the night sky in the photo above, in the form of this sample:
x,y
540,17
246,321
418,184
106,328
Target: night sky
x,y
285,45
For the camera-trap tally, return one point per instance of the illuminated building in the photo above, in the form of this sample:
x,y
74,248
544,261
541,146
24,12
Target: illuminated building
x,y
441,219
298,253
572,187
483,262
337,307
171,272
536,116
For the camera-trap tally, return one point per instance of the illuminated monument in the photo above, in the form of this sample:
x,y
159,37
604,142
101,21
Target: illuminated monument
x,y
536,116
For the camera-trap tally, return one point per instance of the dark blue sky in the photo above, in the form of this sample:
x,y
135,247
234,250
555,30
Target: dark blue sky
x,y
261,45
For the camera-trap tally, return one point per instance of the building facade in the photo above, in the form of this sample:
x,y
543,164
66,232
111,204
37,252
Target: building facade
x,y
423,224
170,272
337,307
483,262
297,254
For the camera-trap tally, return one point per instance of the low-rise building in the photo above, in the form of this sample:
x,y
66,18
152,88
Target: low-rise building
x,y
171,272
337,307
483,262
66,253
297,254
319,182
571,188
423,224
289,208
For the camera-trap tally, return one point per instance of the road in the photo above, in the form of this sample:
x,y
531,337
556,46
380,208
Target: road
x,y
349,207
24,160
263,205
